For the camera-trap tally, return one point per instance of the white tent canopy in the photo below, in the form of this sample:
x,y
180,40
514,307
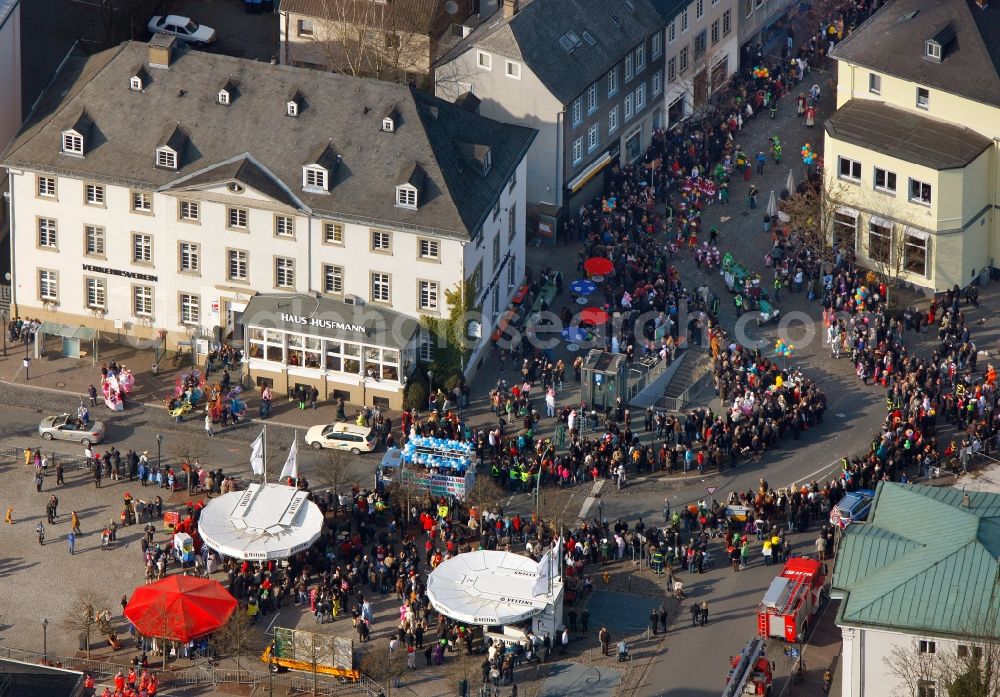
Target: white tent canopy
x,y
266,521
488,588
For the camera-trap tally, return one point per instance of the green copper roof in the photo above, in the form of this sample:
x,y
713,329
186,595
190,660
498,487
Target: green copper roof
x,y
922,562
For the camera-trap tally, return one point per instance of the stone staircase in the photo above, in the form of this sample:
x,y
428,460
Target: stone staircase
x,y
693,374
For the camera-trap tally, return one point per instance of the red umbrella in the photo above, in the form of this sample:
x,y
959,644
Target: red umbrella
x,y
593,315
598,266
180,607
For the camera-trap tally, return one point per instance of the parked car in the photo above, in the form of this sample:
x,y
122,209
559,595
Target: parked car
x,y
184,28
341,436
66,427
854,507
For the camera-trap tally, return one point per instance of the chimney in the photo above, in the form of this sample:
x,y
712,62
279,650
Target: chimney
x,y
510,8
161,49
965,500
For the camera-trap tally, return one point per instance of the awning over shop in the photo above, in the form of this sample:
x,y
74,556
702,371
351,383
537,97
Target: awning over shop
x,y
330,318
580,180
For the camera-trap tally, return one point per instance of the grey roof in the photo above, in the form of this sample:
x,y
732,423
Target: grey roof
x,y
906,135
384,327
532,36
243,169
668,9
346,110
892,42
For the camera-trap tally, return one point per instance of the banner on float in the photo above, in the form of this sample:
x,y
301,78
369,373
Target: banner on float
x,y
437,484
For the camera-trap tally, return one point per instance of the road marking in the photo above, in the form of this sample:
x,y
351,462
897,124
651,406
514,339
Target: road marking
x,y
840,415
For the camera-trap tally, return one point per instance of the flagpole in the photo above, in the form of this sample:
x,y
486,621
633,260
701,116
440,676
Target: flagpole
x,y
264,476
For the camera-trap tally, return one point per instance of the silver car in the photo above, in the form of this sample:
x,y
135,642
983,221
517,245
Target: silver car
x,y
66,427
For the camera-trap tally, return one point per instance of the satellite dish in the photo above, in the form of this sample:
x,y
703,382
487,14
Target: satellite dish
x,y
451,7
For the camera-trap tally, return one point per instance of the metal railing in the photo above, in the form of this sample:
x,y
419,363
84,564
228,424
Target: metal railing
x,y
680,401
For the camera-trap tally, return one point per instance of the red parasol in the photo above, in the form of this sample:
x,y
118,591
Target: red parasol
x,y
593,315
180,607
598,266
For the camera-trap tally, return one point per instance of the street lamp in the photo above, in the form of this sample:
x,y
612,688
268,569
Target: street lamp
x,y
4,315
27,358
159,442
430,391
45,639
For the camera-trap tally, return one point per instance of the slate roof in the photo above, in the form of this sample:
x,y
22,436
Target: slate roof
x,y
923,563
892,42
532,37
906,135
127,126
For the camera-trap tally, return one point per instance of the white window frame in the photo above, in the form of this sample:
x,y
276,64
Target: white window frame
x,y
188,210
292,108
593,138
166,158
656,47
333,233
223,97
840,220
640,97
333,279
142,247
672,32
428,248
513,70
727,22
237,218
852,166
613,81
381,241
699,9
714,34
629,68
683,60
237,265
684,21
657,82
874,83
406,197
932,50
884,187
94,240
284,273
142,202
923,98
640,58
189,308
927,646
388,126
135,83
919,200
884,232
484,60
380,287
304,27
629,104
72,143
142,301
93,194
48,285
613,119
428,296
921,240
578,151
45,187
95,293
284,226
188,257
315,177
592,98
671,69
926,688
577,111
48,233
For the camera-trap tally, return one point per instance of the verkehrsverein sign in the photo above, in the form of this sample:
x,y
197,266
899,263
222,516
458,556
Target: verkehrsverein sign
x,y
135,275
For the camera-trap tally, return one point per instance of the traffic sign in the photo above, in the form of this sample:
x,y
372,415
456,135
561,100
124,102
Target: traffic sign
x,y
711,489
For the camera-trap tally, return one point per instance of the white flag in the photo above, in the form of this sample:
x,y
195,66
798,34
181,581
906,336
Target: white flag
x,y
257,454
291,468
544,569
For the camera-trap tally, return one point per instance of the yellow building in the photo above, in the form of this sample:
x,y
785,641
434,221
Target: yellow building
x,y
912,154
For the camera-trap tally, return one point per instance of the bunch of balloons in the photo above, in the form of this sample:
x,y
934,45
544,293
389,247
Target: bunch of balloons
x,y
808,156
783,349
761,72
860,297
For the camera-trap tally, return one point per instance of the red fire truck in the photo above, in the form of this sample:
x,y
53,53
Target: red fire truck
x,y
750,672
791,600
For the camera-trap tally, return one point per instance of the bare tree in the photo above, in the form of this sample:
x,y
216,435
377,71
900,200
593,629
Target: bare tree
x,y
485,493
189,452
385,668
814,219
334,469
371,39
84,617
968,669
236,637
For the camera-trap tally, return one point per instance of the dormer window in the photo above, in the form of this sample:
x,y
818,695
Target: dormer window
x,y
166,158
406,196
388,125
294,103
72,143
139,79
314,178
487,161
292,108
932,51
223,97
135,84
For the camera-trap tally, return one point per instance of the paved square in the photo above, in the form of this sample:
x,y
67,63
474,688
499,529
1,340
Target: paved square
x,y
622,613
576,680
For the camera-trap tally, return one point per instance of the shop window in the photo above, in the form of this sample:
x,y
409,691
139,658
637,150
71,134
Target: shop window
x,y
263,382
845,230
879,241
341,394
380,403
265,344
352,359
915,253
335,356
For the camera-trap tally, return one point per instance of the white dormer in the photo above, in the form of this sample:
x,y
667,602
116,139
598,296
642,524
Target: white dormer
x,y
294,103
139,79
315,177
223,97
388,125
72,143
406,196
227,92
292,108
166,157
135,83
